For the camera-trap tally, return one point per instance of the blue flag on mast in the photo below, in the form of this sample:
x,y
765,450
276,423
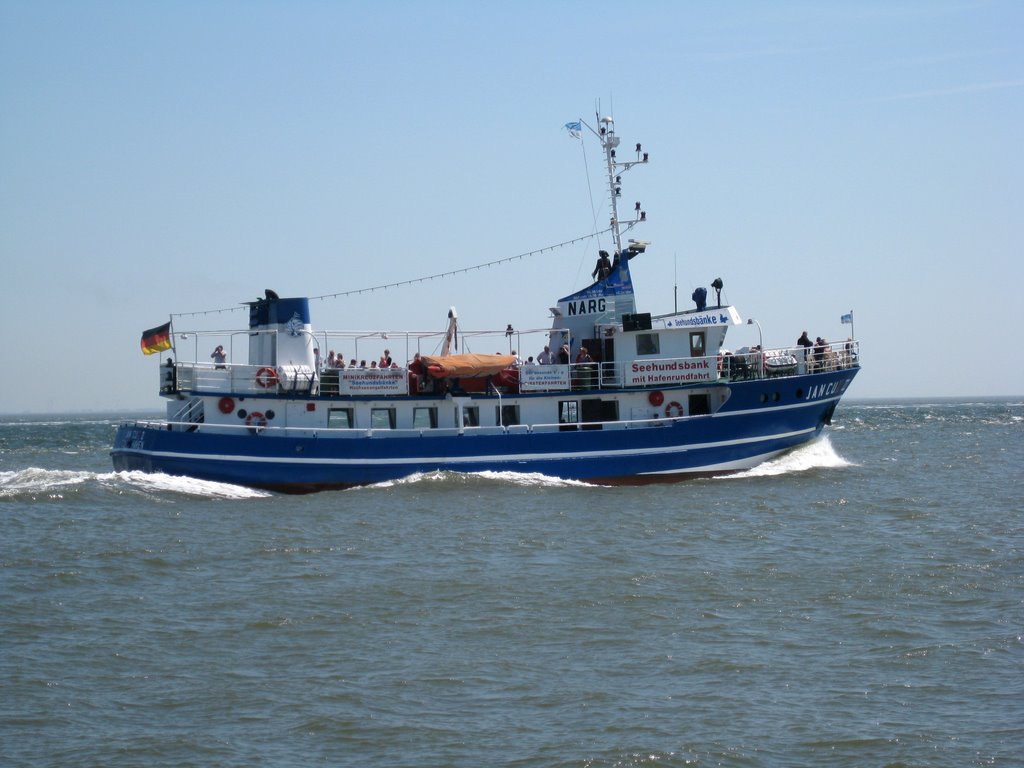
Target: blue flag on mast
x,y
847,318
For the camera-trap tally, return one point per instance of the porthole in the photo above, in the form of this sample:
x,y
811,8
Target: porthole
x,y
799,394
241,413
270,414
775,398
764,398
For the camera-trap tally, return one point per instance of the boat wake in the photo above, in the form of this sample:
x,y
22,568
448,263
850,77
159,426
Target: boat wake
x,y
519,479
36,482
816,455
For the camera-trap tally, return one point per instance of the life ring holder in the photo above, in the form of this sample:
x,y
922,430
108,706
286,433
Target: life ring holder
x,y
656,398
226,405
674,406
256,422
266,378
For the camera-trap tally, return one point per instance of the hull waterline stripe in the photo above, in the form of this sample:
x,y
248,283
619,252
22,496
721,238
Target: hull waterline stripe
x,y
445,460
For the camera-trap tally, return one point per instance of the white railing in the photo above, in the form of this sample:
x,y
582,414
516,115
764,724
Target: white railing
x,y
267,380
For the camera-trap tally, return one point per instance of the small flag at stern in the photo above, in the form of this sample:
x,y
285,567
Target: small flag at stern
x,y
156,339
847,318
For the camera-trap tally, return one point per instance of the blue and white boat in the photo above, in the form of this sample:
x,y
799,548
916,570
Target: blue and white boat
x,y
655,398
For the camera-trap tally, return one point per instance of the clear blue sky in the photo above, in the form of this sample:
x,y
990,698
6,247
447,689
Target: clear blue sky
x,y
818,157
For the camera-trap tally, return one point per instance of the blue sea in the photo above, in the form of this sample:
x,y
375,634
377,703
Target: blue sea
x,y
858,602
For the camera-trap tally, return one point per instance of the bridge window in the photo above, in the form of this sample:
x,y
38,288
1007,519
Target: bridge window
x,y
648,344
697,345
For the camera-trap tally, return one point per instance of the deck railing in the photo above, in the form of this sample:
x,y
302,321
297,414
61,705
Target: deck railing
x,y
737,366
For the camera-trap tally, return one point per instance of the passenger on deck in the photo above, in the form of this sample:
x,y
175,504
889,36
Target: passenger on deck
x,y
416,373
563,355
330,359
603,267
545,357
385,359
219,358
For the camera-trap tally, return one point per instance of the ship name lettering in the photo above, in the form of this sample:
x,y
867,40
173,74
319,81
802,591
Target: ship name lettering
x,y
586,307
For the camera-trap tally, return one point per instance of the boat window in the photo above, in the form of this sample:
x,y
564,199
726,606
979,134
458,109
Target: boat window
x,y
424,418
382,418
598,411
508,415
697,345
471,416
648,344
700,405
339,418
568,415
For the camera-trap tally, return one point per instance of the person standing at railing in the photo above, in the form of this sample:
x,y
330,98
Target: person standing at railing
x,y
218,357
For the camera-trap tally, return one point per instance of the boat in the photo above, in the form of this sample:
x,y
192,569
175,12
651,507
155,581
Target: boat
x,y
653,398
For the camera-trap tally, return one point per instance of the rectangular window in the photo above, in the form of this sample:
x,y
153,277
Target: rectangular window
x,y
382,418
648,344
700,405
597,411
568,415
697,346
340,418
470,416
508,415
424,418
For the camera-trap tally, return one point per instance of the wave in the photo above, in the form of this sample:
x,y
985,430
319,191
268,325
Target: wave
x,y
520,479
55,483
816,455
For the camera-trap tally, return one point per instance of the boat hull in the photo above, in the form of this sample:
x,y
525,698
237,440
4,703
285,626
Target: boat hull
x,y
760,420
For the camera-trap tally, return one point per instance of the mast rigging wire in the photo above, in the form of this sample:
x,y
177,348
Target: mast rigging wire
x,y
401,283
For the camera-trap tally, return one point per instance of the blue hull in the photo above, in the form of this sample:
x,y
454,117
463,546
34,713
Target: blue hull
x,y
761,419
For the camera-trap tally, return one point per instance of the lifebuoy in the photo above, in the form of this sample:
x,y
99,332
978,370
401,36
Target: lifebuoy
x,y
256,421
226,405
673,406
656,398
266,377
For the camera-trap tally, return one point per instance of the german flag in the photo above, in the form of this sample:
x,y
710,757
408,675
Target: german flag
x,y
156,339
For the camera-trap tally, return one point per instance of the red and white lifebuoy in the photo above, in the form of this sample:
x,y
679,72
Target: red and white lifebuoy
x,y
256,422
656,398
226,405
673,409
266,378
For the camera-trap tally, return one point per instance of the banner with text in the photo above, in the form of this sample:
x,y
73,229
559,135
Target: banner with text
x,y
533,378
645,373
373,381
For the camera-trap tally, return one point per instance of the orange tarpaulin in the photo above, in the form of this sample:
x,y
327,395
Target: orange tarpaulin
x,y
467,365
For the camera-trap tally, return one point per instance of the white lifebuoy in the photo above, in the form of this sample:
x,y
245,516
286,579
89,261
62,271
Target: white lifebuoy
x,y
673,406
266,378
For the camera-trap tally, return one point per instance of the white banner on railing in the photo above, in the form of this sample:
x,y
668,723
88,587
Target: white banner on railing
x,y
543,377
641,373
373,381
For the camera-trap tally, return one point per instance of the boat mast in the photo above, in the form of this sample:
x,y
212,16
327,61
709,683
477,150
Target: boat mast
x,y
610,143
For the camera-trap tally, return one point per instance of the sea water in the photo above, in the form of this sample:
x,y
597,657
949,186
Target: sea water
x,y
857,602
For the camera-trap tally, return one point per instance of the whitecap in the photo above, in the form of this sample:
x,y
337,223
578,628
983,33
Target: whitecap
x,y
815,455
38,480
157,481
